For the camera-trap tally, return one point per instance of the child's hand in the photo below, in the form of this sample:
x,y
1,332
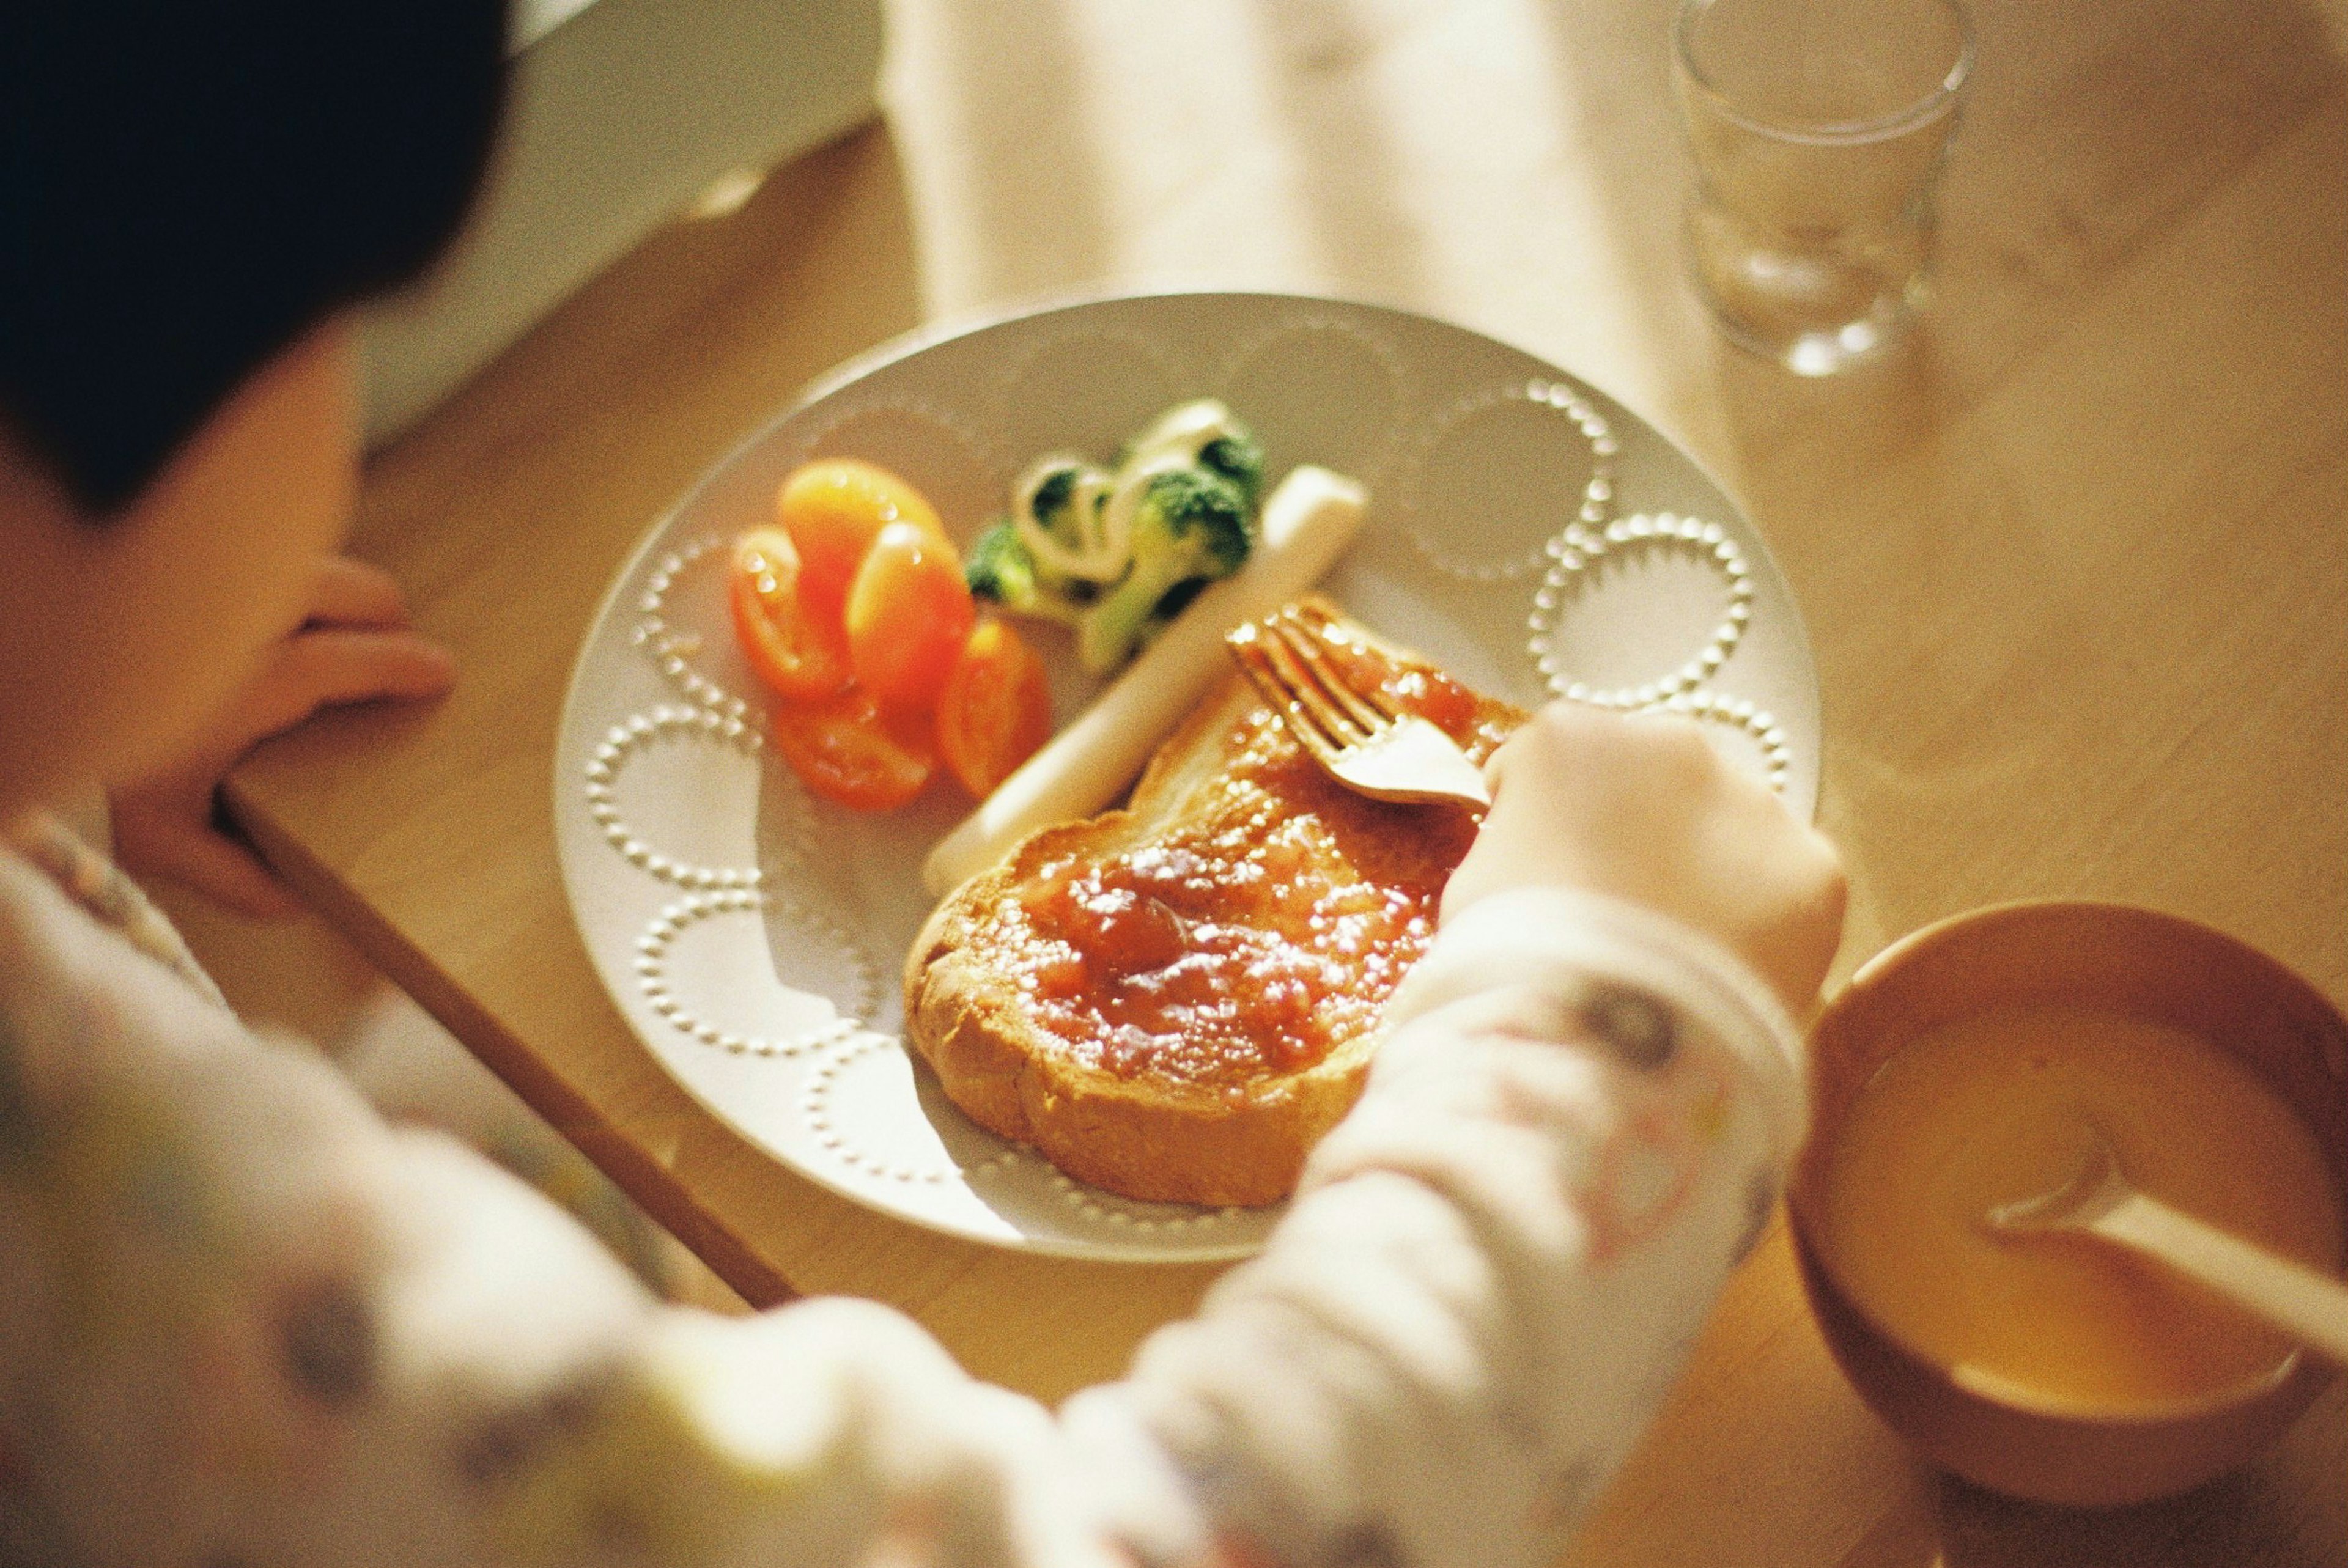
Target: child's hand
x,y
1641,808
353,647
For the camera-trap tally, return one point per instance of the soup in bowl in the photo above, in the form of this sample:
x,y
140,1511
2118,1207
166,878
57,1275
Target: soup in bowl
x,y
1969,1067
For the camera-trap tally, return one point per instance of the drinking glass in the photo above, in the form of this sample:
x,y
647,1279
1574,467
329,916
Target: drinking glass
x,y
1818,128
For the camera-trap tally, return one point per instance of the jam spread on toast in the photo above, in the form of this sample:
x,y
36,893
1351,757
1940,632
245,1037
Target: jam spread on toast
x,y
1266,922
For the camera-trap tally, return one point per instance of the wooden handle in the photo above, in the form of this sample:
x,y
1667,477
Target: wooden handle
x,y
2293,1297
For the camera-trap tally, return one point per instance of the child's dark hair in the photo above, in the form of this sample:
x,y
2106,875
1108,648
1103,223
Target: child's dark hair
x,y
186,187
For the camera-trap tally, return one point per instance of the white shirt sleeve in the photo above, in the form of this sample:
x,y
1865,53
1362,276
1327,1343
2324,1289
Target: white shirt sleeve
x,y
241,1321
1495,1265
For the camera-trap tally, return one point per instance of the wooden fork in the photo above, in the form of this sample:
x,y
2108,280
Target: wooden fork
x,y
1359,737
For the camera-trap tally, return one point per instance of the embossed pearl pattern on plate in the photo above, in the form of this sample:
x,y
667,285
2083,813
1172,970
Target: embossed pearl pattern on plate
x,y
1350,420
1105,385
952,463
653,979
750,934
1573,417
1576,553
1742,713
623,742
815,1104
1143,1219
671,651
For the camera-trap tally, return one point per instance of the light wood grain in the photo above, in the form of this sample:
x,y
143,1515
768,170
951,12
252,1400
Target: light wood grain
x,y
2073,568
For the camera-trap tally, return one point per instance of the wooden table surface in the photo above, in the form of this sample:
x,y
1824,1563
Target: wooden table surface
x,y
2074,570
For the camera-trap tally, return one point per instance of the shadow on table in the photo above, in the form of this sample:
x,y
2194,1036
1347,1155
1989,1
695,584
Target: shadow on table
x,y
1036,150
2090,133
2287,1510
2236,1521
2095,136
1612,62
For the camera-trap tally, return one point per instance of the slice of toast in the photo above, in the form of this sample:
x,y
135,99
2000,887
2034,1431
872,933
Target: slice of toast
x,y
1176,999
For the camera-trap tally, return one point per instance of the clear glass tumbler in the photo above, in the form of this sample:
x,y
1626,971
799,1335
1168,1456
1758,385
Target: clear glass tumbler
x,y
1818,128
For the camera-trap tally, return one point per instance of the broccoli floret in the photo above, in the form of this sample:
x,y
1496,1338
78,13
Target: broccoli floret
x,y
1191,525
999,567
1000,571
1057,508
1052,509
1237,457
1205,432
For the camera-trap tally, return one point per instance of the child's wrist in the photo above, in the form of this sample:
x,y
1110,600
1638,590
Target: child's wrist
x,y
1590,946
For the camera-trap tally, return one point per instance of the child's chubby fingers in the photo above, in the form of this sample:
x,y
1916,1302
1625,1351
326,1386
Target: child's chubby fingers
x,y
165,824
327,666
347,591
1641,808
1610,754
1578,793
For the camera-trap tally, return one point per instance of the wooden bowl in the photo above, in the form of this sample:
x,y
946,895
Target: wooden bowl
x,y
2137,962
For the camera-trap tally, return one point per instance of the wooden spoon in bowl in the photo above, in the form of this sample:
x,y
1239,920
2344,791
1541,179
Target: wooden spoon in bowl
x,y
2097,1200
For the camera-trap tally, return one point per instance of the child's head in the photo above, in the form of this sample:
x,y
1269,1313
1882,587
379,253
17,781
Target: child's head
x,y
191,196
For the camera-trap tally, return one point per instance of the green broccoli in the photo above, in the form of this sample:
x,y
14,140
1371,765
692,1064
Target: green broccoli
x,y
1205,432
1000,571
1050,505
1191,526
1239,457
1057,506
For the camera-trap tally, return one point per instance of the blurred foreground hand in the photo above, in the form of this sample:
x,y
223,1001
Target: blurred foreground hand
x,y
1640,807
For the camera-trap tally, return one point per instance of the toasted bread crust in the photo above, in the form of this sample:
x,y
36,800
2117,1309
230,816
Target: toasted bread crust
x,y
1149,1136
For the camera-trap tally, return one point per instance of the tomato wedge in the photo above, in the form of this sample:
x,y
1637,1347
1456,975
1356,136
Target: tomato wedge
x,y
996,710
834,508
802,656
908,613
849,749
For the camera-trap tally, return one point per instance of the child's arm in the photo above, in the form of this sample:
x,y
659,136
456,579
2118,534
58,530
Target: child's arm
x,y
240,1320
1499,1261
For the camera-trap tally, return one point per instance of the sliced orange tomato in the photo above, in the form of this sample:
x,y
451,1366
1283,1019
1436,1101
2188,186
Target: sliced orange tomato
x,y
833,508
908,613
995,709
848,748
801,655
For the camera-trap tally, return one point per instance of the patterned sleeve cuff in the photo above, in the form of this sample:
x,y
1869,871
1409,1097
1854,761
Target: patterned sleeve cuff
x,y
1629,976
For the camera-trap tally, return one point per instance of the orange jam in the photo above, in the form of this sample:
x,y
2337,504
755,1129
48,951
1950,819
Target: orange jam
x,y
1267,927
1988,1111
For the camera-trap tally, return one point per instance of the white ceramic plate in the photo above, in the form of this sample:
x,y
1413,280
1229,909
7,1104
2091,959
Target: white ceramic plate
x,y
1525,530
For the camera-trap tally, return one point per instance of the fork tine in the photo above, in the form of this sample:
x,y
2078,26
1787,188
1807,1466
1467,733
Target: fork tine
x,y
1315,622
1247,646
1328,618
1306,685
1306,644
1401,759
